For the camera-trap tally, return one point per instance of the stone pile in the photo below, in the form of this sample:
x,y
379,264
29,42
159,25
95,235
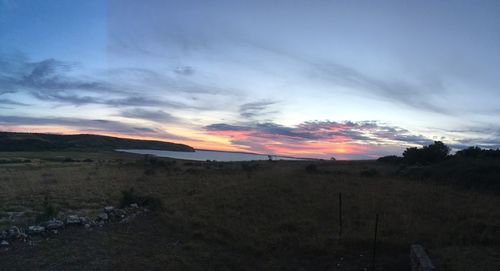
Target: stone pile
x,y
109,214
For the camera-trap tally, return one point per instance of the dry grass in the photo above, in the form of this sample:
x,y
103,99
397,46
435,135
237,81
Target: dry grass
x,y
279,218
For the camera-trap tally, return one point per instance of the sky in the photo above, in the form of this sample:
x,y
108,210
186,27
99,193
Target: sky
x,y
311,78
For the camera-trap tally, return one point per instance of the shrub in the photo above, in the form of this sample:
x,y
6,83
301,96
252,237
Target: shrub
x,y
153,202
430,154
391,159
49,210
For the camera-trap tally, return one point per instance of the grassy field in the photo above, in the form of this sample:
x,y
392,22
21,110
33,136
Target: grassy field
x,y
280,215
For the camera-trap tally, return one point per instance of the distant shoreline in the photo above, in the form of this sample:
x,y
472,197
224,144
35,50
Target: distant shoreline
x,y
255,153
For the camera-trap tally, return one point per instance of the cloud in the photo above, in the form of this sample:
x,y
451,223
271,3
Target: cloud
x,y
10,102
417,95
88,126
321,138
255,109
57,81
151,115
92,124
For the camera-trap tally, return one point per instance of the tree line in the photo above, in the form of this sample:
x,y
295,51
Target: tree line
x,y
437,152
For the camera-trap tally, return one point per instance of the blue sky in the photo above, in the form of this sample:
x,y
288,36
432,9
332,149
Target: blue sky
x,y
350,79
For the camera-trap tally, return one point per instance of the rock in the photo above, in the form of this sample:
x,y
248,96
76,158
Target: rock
x,y
87,226
54,224
103,216
120,213
4,243
84,220
36,229
55,231
108,209
420,259
134,205
13,232
73,220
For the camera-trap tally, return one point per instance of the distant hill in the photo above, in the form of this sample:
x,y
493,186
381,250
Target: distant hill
x,y
48,142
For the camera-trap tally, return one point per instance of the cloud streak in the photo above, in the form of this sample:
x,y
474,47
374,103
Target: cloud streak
x,y
150,115
98,126
52,80
256,109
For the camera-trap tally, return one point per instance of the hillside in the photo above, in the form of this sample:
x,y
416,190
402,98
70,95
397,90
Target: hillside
x,y
41,142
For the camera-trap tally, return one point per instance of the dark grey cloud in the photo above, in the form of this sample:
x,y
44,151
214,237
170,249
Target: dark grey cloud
x,y
258,108
270,129
49,76
226,127
151,115
54,81
364,132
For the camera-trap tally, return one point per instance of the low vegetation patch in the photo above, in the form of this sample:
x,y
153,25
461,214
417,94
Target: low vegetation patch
x,y
130,196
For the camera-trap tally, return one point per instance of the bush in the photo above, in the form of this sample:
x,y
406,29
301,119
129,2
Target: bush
x,y
430,154
152,202
49,210
391,159
475,152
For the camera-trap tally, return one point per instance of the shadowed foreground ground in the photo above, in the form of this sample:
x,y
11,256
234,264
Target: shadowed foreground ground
x,y
260,216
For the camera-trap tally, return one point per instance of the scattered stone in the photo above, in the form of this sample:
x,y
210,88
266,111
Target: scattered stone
x,y
108,209
103,216
36,229
54,224
73,220
108,215
13,233
84,220
119,213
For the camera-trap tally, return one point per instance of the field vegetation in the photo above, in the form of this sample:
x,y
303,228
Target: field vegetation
x,y
261,215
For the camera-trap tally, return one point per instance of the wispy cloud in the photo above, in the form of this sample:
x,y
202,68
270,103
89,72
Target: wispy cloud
x,y
98,126
255,109
57,81
417,95
150,115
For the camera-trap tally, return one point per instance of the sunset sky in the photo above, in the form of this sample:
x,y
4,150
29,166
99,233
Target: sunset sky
x,y
349,79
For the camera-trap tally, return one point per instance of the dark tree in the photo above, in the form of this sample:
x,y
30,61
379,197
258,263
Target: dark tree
x,y
433,153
